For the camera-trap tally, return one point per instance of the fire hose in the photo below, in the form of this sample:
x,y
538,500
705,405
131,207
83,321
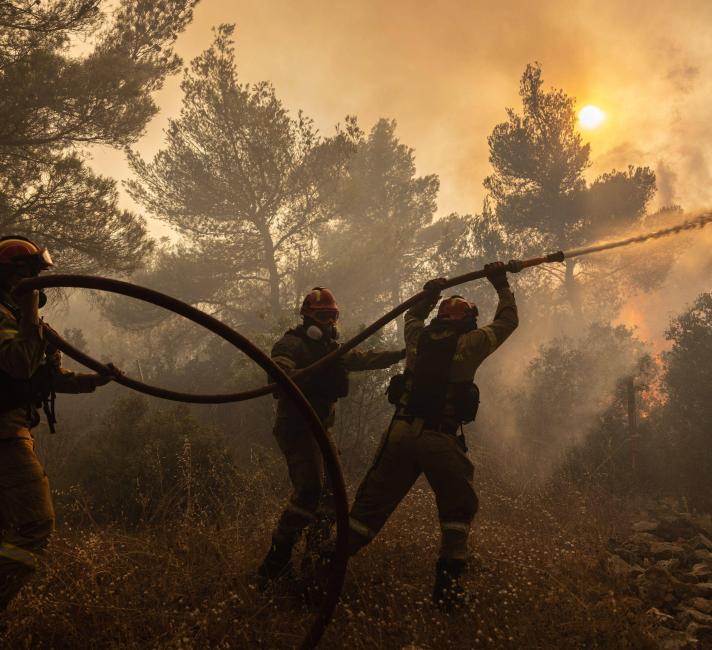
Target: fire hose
x,y
514,266
286,382
282,381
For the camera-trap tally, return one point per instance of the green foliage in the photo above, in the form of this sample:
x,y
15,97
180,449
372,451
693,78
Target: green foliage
x,y
52,102
153,465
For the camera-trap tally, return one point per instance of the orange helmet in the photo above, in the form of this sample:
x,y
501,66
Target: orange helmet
x,y
456,308
320,305
16,250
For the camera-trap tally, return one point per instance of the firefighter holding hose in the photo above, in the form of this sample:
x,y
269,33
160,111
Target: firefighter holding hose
x,y
309,507
433,399
30,374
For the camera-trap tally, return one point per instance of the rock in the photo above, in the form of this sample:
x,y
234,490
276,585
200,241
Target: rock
x,y
688,614
644,526
701,570
635,603
703,589
666,550
702,604
677,528
701,541
700,632
687,578
642,539
672,640
616,566
702,555
629,554
704,522
659,588
659,616
669,565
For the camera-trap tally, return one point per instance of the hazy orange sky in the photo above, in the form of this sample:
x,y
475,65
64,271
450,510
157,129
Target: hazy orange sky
x,y
446,70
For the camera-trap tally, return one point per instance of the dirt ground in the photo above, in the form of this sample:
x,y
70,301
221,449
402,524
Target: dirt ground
x,y
536,575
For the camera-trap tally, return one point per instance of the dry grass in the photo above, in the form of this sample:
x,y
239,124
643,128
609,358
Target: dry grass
x,y
535,573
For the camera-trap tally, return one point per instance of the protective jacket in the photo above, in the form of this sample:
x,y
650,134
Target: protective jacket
x,y
27,368
471,348
296,350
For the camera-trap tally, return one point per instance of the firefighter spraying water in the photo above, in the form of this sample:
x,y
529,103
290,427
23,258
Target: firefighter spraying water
x,y
447,590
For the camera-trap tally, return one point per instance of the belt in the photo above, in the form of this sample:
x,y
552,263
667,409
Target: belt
x,y
449,427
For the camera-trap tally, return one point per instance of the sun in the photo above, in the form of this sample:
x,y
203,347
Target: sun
x,y
591,117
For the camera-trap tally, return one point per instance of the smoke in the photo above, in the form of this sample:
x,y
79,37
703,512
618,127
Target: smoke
x,y
446,72
525,405
690,276
665,179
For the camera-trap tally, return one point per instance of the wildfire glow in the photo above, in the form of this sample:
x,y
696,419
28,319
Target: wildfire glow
x,y
591,117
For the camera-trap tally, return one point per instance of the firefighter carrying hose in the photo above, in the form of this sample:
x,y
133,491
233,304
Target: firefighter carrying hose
x,y
309,506
30,374
433,398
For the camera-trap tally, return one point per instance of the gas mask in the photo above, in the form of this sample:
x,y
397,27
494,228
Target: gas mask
x,y
320,332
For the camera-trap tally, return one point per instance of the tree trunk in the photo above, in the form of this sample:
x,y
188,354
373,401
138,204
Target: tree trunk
x,y
571,288
400,322
271,266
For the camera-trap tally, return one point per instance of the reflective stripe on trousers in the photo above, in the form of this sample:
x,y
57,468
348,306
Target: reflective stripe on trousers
x,y
455,526
361,529
19,555
309,516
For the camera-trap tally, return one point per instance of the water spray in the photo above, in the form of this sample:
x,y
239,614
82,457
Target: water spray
x,y
691,224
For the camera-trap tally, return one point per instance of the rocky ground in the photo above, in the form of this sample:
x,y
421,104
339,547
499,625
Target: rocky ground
x,y
666,567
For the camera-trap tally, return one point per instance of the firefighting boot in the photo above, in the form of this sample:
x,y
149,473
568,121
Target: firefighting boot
x,y
277,562
448,593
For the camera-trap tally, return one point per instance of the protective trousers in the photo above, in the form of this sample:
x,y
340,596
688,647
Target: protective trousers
x,y
311,504
26,515
407,450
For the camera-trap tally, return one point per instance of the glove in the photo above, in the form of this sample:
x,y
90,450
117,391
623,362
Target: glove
x,y
53,357
497,275
102,380
436,286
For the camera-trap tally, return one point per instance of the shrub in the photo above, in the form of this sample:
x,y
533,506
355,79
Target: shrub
x,y
148,464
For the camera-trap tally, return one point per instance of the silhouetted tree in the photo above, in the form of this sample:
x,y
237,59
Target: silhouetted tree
x,y
539,197
53,101
685,434
572,385
247,183
375,249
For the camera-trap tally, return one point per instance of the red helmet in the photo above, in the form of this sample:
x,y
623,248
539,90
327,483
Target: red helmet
x,y
16,250
456,308
320,305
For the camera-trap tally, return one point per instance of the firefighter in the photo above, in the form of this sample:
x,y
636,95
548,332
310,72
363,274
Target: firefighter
x,y
435,396
310,506
30,373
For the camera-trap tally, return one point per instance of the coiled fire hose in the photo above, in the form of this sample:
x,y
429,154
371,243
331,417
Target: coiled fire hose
x,y
286,383
282,380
